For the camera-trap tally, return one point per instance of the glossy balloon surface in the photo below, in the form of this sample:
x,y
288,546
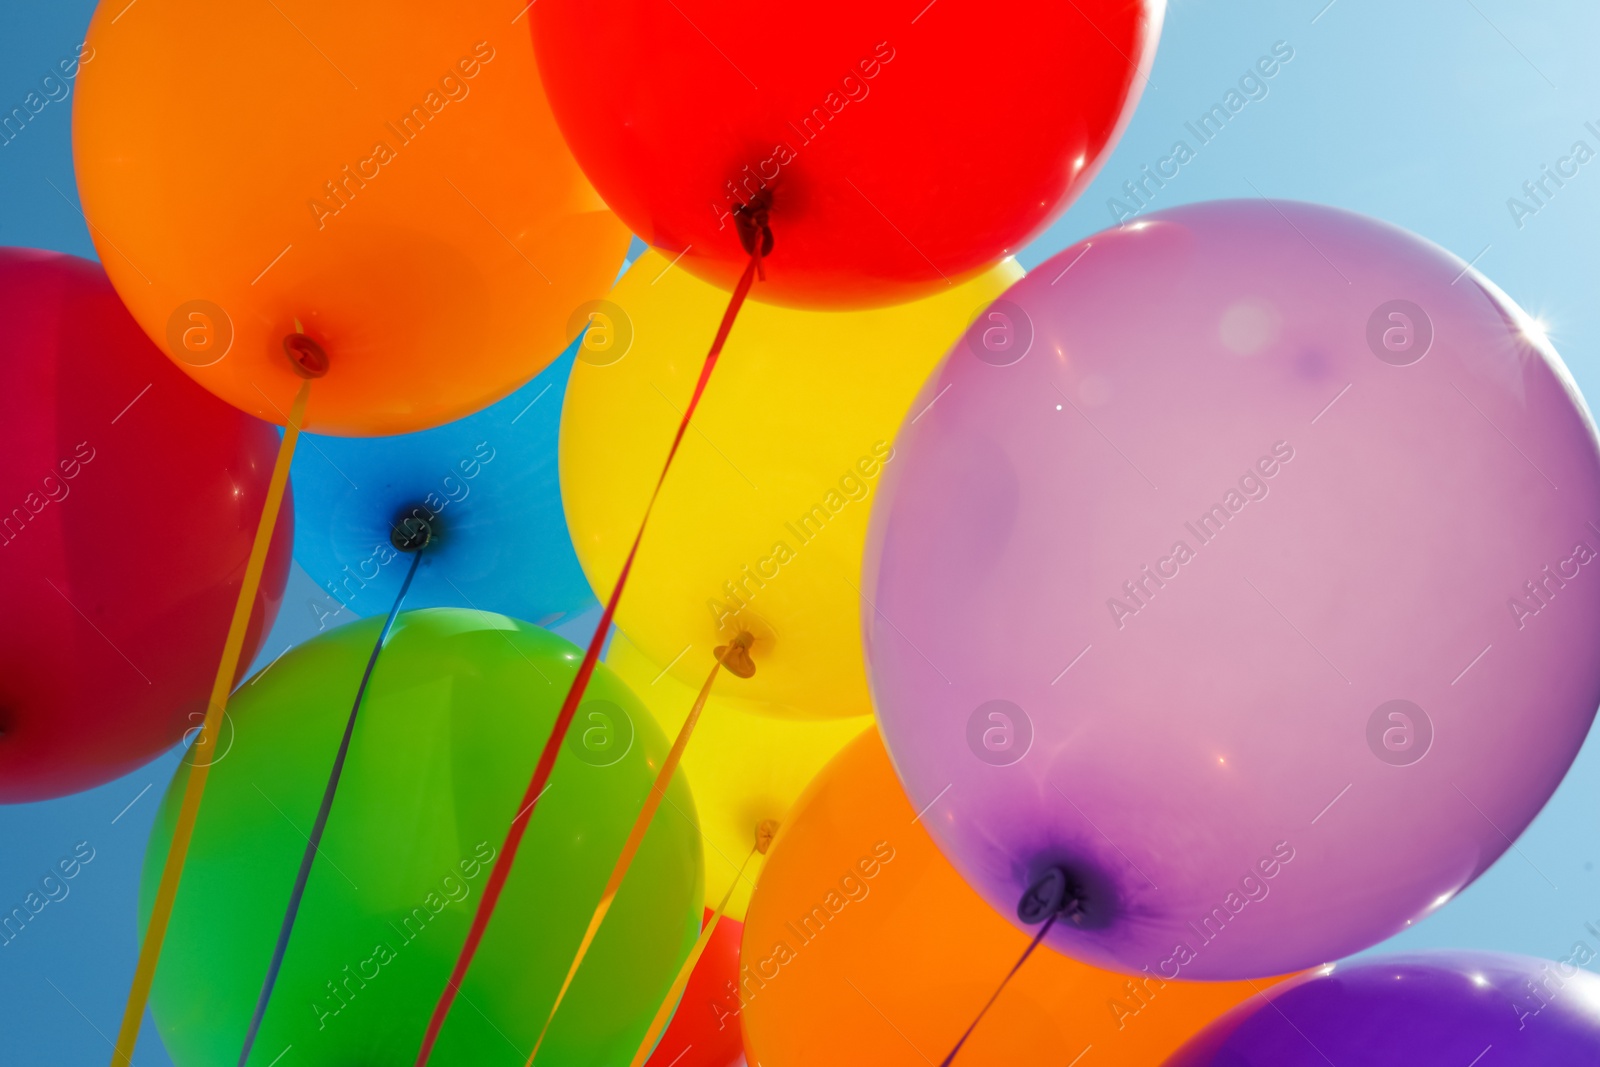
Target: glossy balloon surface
x,y
1426,1009
899,148
488,488
131,500
704,1031
386,178
1227,592
744,767
863,945
762,522
455,715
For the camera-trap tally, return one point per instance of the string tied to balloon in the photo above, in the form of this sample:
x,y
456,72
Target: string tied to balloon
x,y
414,530
735,656
766,830
411,535
753,223
1053,895
756,235
309,361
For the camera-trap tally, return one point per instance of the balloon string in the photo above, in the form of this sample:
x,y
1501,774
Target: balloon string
x,y
1045,929
314,841
166,892
630,848
552,746
669,1005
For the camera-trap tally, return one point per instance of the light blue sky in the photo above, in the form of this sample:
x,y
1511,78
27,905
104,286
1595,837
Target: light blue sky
x,y
1429,113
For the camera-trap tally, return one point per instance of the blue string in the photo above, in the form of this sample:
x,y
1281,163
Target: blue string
x,y
296,894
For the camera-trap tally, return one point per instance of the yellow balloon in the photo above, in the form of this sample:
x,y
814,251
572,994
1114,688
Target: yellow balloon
x,y
761,524
743,767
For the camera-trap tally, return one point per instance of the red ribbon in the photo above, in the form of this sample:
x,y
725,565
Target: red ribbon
x,y
569,707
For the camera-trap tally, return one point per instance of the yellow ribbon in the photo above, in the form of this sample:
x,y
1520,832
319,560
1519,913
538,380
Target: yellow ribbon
x,y
669,1005
737,660
155,933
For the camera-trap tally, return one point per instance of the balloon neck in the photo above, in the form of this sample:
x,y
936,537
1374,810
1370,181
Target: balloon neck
x,y
306,357
755,230
414,530
735,656
1053,893
766,830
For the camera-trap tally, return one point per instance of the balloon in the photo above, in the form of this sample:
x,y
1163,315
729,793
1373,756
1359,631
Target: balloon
x,y
894,152
704,1031
488,487
863,945
761,524
1225,596
131,501
744,767
385,178
456,711
1425,1009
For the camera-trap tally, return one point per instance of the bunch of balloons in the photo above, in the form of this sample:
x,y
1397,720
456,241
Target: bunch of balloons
x,y
450,722
969,663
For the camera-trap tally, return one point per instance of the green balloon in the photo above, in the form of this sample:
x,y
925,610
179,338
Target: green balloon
x,y
455,715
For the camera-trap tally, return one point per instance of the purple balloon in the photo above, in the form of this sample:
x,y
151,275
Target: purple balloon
x,y
1429,1009
1240,563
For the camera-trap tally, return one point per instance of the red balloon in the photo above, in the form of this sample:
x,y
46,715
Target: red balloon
x,y
129,498
704,1031
899,145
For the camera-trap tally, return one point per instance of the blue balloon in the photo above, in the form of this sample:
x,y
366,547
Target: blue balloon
x,y
1425,1009
488,485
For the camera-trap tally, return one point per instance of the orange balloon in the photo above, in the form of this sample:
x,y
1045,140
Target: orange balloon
x,y
863,945
385,177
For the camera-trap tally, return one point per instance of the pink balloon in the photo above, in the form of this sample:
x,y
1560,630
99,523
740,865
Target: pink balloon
x,y
1241,562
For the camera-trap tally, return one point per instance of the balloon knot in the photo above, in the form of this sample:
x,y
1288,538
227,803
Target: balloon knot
x,y
413,531
735,656
755,230
1055,892
766,830
306,356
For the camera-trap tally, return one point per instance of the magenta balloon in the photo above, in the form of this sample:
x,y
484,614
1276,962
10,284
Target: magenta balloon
x,y
1242,563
